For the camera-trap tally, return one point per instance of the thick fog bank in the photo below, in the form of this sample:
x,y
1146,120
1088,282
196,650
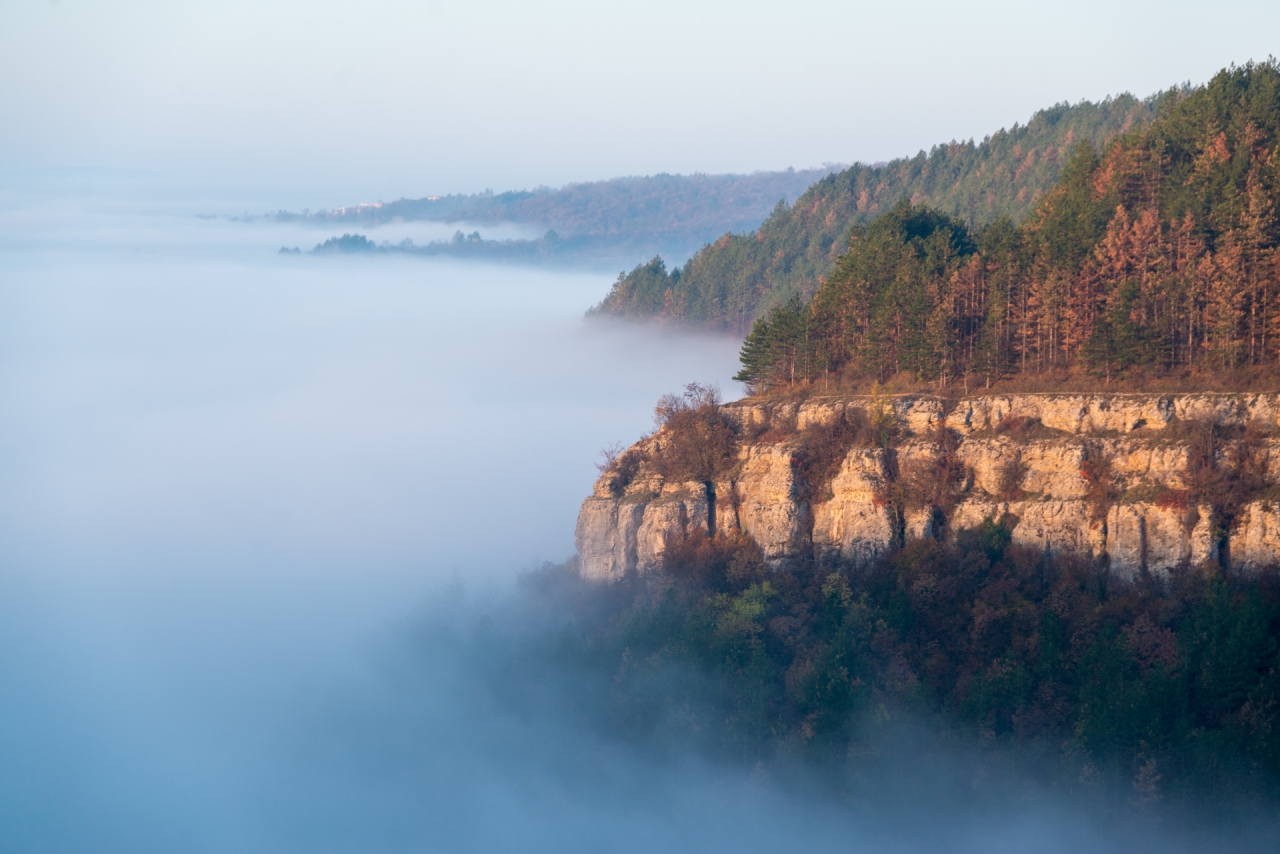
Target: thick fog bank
x,y
482,727
172,384
220,468
258,521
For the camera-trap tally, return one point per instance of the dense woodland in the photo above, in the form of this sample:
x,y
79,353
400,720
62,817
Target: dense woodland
x,y
1156,255
735,279
1157,695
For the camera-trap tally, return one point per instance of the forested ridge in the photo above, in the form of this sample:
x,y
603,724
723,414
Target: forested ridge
x,y
733,280
1156,256
658,210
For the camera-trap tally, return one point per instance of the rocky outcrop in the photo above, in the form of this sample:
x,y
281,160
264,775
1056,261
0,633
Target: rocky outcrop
x,y
770,510
1100,476
854,523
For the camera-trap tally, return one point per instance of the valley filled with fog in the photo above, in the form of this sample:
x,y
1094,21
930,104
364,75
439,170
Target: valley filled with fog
x,y
226,472
260,518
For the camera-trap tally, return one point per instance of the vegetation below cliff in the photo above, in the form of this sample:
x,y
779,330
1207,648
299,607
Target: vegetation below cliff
x,y
739,276
1164,695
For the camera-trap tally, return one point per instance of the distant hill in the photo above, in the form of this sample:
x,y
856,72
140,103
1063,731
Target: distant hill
x,y
622,217
736,278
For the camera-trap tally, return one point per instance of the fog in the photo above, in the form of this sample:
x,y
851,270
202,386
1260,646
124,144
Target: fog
x,y
260,518
222,468
328,102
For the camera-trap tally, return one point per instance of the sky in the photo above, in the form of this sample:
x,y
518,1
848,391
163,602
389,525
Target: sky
x,y
322,103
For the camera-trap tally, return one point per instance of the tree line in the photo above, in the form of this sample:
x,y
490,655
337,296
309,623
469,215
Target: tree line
x,y
1158,254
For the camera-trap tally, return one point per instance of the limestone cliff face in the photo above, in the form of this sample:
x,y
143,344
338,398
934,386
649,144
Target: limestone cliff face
x,y
1023,458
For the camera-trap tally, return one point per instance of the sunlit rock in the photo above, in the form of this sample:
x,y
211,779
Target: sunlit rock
x,y
1103,477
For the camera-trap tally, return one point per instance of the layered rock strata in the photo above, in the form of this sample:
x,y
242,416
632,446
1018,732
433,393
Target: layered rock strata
x,y
1023,458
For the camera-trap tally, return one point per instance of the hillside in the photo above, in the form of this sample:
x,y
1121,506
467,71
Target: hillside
x,y
1155,258
733,280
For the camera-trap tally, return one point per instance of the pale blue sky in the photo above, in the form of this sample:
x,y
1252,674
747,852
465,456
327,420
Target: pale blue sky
x,y
329,102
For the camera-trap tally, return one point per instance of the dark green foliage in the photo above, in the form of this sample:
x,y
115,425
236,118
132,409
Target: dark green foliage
x,y
879,313
776,348
346,243
737,278
1118,341
1140,692
650,285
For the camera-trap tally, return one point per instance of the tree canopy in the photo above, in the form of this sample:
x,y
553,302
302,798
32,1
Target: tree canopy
x,y
1159,254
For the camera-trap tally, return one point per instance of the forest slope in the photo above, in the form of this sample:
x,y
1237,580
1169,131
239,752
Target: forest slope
x,y
1156,258
733,280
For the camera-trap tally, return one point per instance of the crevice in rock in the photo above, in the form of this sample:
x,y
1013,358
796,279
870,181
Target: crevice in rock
x,y
897,513
710,488
735,504
1142,543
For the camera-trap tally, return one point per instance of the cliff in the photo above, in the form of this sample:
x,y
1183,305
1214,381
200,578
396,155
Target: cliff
x,y
1140,482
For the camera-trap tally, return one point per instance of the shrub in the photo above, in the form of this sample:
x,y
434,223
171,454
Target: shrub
x,y
697,441
620,465
1009,476
1226,466
624,470
771,432
1020,427
1174,499
823,448
700,563
610,455
934,481
884,421
1101,490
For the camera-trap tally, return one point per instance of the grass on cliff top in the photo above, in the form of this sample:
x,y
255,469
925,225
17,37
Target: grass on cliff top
x,y
1244,380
